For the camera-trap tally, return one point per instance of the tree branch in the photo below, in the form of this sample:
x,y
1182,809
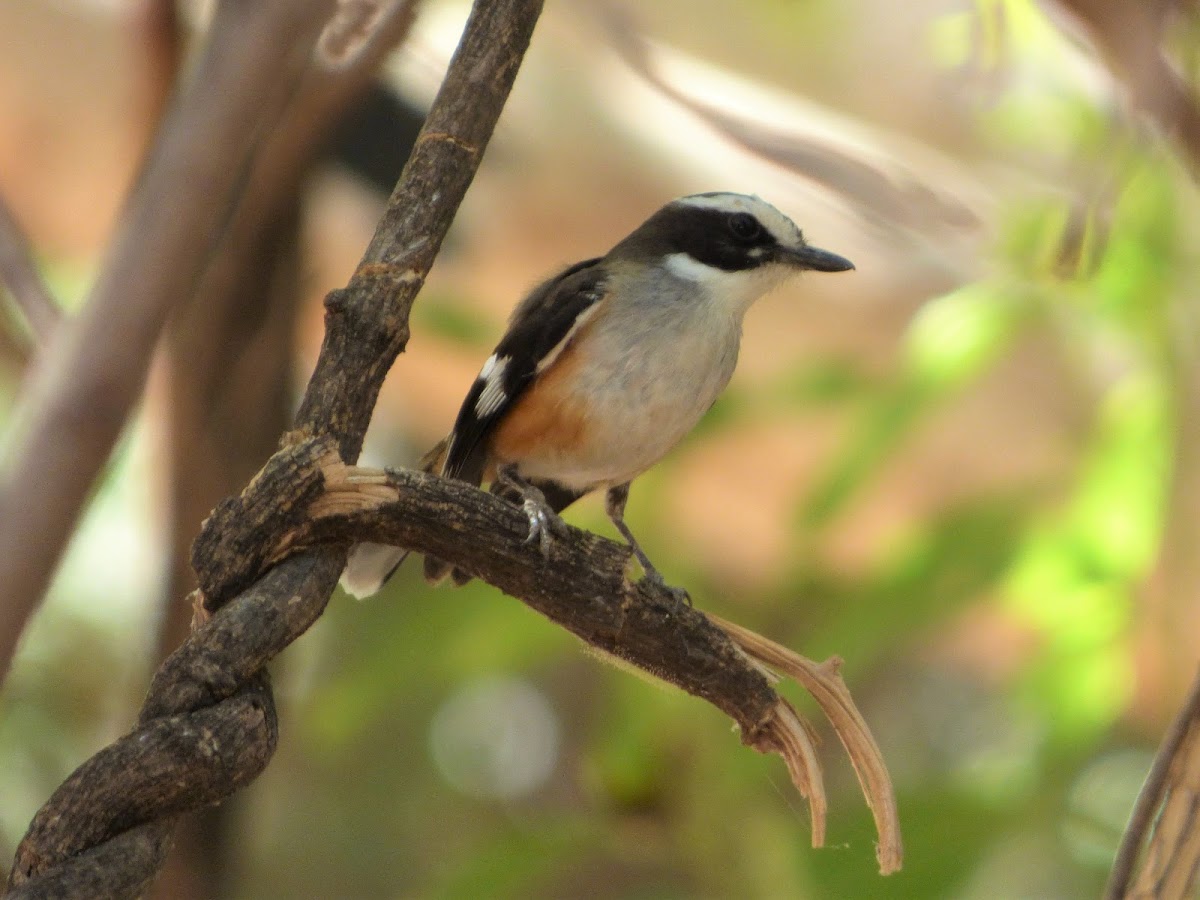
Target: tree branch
x,y
1132,41
230,353
581,585
87,381
366,328
21,277
1170,779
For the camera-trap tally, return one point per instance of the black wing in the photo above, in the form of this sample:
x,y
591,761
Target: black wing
x,y
540,324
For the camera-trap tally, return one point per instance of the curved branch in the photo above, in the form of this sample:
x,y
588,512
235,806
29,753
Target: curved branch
x,y
366,328
1168,762
580,584
135,779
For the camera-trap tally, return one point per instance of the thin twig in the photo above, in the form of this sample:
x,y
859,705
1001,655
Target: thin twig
x,y
20,275
1150,798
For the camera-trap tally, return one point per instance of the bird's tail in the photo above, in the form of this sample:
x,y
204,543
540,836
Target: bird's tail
x,y
371,565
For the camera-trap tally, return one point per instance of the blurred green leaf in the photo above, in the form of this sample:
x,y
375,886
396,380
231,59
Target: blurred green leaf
x,y
1074,579
946,565
512,861
956,337
1132,285
456,319
886,422
951,341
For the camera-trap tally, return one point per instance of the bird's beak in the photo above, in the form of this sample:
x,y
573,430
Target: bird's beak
x,y
807,257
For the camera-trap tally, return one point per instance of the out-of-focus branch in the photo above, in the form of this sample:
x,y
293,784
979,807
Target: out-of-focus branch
x,y
160,37
906,194
25,285
231,363
367,326
92,373
229,350
1131,40
1173,851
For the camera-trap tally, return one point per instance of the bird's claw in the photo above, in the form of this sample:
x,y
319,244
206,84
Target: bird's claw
x,y
677,594
544,524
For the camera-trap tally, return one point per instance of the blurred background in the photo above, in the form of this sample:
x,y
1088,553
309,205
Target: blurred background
x,y
971,468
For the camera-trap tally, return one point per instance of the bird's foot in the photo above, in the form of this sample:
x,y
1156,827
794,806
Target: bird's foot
x,y
679,595
544,523
614,505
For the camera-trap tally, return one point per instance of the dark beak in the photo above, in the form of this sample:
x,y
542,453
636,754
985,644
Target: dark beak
x,y
816,259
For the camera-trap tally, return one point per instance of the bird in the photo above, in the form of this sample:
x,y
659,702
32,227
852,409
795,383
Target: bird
x,y
607,365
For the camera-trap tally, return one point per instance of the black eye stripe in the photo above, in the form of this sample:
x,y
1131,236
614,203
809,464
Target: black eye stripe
x,y
706,234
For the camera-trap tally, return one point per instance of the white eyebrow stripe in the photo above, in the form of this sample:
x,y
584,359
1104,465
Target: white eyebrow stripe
x,y
783,228
492,397
555,351
727,202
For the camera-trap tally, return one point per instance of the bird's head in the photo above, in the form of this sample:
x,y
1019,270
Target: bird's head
x,y
735,247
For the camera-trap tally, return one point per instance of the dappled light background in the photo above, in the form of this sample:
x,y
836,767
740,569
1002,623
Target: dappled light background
x,y
968,468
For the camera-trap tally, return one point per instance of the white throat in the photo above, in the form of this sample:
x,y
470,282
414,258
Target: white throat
x,y
736,290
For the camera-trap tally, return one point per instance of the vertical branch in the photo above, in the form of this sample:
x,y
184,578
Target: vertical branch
x,y
89,378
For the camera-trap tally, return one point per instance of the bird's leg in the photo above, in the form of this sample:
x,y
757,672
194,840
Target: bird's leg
x,y
614,505
543,520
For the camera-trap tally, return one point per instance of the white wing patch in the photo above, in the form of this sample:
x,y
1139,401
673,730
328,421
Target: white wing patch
x,y
492,397
557,349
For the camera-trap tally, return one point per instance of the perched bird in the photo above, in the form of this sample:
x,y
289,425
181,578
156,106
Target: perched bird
x,y
609,364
